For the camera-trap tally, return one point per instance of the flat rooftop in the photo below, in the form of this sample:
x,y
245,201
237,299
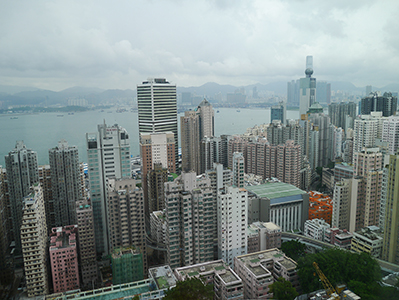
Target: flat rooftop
x,y
163,277
262,257
274,190
215,267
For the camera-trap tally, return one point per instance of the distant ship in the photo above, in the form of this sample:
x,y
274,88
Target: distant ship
x,y
238,110
14,118
217,111
60,115
70,113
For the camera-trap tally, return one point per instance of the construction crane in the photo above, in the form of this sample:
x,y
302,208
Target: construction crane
x,y
326,283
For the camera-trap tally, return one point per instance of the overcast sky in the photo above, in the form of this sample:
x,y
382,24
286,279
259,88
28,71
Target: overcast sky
x,y
117,44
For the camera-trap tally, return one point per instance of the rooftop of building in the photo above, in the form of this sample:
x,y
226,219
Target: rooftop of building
x,y
253,259
218,267
63,237
274,190
145,288
119,252
371,232
163,276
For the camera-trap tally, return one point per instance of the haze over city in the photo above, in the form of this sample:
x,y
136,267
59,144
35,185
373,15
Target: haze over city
x,y
57,45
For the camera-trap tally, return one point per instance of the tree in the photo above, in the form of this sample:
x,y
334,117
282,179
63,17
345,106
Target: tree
x,y
190,289
360,272
293,249
283,290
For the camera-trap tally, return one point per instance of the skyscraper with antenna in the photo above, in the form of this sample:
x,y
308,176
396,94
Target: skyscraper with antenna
x,y
307,93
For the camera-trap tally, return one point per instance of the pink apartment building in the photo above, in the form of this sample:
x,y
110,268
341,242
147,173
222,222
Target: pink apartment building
x,y
64,258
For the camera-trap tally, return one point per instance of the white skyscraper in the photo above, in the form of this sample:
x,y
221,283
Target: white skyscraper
x,y
232,210
157,107
108,153
238,169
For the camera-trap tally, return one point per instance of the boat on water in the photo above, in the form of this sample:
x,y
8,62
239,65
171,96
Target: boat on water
x,y
14,118
238,110
60,115
70,113
217,111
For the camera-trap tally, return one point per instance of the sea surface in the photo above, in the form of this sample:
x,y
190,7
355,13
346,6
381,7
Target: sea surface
x,y
41,132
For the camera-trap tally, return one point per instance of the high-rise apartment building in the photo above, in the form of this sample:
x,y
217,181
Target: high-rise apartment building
x,y
189,217
5,258
390,133
232,209
35,242
365,132
65,182
190,141
238,169
155,149
293,93
386,103
339,112
64,258
45,182
22,173
278,112
127,265
390,247
126,216
323,92
86,243
346,212
307,94
108,153
156,179
195,126
157,108
323,140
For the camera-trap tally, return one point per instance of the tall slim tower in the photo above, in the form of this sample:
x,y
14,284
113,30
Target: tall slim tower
x,y
22,173
390,246
65,182
307,88
34,242
108,153
157,107
195,126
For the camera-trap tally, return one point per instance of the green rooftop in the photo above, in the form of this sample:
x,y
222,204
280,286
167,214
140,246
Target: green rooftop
x,y
272,190
193,274
218,268
254,260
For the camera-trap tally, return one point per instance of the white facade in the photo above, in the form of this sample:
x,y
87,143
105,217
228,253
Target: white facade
x,y
108,154
238,169
390,133
364,133
338,134
232,223
316,228
157,107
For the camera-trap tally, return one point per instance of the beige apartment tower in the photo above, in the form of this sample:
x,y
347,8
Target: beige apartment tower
x,y
34,242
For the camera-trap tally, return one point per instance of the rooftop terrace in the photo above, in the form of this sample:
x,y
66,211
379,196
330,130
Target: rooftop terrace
x,y
273,190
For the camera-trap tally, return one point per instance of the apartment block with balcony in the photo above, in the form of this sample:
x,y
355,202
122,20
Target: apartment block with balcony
x,y
34,243
227,284
64,258
368,240
316,229
87,244
260,270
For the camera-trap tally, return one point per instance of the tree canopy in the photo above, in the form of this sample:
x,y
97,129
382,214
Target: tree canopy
x,y
293,249
360,272
283,290
190,289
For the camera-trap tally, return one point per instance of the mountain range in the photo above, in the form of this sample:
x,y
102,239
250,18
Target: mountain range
x,y
22,95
